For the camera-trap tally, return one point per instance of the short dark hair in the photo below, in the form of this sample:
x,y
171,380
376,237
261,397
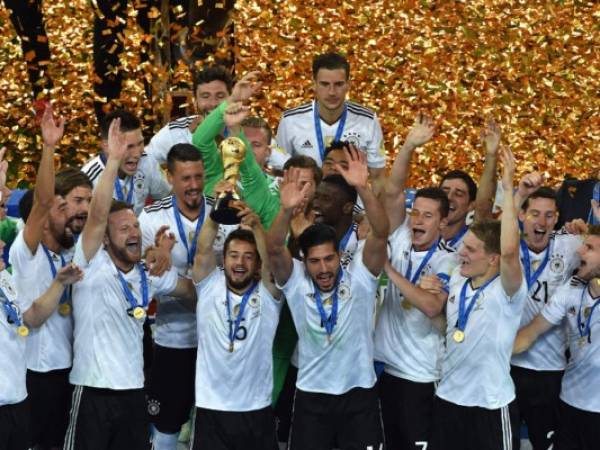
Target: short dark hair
x,y
240,234
542,192
317,234
68,179
182,153
129,122
305,162
258,122
435,193
212,73
25,204
336,145
341,183
459,174
488,231
330,61
119,205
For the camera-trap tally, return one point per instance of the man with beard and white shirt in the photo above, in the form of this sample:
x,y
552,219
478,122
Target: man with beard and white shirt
x,y
109,304
574,304
171,384
475,405
76,189
139,174
212,86
333,311
38,255
237,313
549,259
406,338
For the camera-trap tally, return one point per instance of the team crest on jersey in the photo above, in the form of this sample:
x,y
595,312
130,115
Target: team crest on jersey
x,y
7,288
254,301
572,311
138,181
557,265
353,138
344,292
153,407
451,299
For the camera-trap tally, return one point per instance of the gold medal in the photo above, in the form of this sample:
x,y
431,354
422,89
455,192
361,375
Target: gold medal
x,y
64,309
582,341
406,305
23,331
139,313
231,347
458,336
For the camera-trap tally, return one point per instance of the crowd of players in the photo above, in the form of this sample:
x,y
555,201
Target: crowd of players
x,y
478,324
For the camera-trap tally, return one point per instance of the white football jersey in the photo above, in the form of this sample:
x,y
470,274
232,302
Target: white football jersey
x,y
49,347
405,338
147,181
175,325
476,372
583,370
108,341
347,361
297,135
240,380
175,132
13,366
548,352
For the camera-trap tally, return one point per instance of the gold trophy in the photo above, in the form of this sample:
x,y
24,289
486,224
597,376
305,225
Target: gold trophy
x,y
233,152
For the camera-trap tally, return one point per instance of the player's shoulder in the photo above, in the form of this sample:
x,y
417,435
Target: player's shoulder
x,y
298,111
160,206
360,110
93,168
181,123
575,282
444,247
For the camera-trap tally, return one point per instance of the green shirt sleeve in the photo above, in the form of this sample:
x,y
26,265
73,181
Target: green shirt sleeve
x,y
204,139
8,230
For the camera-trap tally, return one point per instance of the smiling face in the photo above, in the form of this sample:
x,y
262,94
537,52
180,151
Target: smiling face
x,y
328,205
135,148
458,196
123,239
78,203
57,223
331,87
425,222
337,156
589,253
241,264
210,95
473,258
323,264
259,140
187,179
539,220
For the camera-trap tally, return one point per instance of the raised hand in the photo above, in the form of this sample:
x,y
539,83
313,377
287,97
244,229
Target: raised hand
x,y
576,226
164,239
246,87
158,261
421,131
530,183
234,114
291,192
508,169
431,284
250,219
69,274
117,143
357,172
490,136
52,129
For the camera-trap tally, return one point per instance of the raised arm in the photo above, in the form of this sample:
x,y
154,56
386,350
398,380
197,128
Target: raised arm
x,y
292,198
205,260
43,194
510,266
46,304
527,186
484,201
357,175
421,133
95,226
527,335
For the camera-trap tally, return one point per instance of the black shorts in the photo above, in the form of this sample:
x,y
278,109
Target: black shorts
x,y
577,429
15,432
171,388
224,430
457,427
537,398
351,421
106,419
50,402
407,411
285,403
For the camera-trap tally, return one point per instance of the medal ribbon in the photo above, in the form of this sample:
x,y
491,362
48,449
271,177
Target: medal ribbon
x,y
346,237
452,242
319,131
234,326
584,328
144,285
329,322
118,189
531,279
65,296
426,259
463,315
12,312
191,250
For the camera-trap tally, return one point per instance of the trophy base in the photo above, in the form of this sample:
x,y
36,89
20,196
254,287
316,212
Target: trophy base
x,y
223,213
